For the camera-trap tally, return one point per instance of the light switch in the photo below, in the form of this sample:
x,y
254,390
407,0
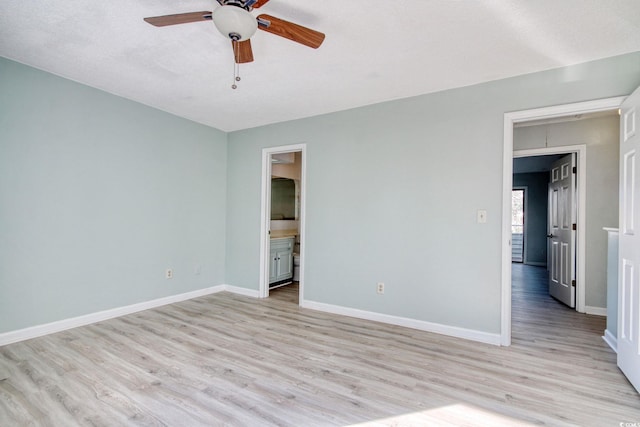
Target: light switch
x,y
482,216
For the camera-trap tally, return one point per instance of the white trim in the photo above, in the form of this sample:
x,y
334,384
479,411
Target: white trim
x,y
507,187
99,316
507,181
566,109
303,221
253,293
596,311
437,328
74,322
265,224
611,340
535,263
265,208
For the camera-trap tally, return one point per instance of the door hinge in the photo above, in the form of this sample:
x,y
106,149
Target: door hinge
x,y
573,283
575,169
574,227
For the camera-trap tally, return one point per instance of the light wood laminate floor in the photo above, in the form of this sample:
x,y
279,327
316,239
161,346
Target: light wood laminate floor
x,y
231,360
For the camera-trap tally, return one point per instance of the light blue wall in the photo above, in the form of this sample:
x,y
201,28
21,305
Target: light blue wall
x,y
393,190
98,196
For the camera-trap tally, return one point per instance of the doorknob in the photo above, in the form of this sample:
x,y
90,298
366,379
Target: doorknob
x,y
550,236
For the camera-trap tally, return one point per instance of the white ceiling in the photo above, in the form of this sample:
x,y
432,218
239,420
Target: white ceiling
x,y
375,50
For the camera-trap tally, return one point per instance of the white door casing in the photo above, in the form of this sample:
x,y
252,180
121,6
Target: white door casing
x,y
629,242
562,235
508,154
265,222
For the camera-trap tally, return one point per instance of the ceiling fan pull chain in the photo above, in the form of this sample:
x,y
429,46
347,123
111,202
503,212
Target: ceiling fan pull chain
x,y
236,75
236,70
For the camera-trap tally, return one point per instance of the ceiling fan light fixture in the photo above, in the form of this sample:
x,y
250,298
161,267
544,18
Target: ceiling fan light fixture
x,y
235,22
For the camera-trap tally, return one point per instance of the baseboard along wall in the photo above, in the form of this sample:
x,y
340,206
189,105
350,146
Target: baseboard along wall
x,y
453,331
87,319
62,325
611,340
596,311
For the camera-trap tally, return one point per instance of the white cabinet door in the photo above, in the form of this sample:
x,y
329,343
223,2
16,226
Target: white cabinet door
x,y
629,249
281,259
285,264
273,266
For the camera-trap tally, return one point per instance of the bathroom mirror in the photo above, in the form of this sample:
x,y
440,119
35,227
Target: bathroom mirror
x,y
283,199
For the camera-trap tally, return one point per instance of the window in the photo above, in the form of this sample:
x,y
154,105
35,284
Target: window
x,y
517,211
517,225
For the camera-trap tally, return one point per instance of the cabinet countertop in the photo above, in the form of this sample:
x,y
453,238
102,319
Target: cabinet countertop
x,y
280,234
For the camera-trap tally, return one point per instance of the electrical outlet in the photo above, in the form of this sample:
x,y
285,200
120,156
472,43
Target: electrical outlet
x,y
168,274
482,216
380,288
197,270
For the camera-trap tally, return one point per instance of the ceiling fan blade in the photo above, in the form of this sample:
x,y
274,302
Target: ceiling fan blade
x,y
291,31
259,3
180,18
242,51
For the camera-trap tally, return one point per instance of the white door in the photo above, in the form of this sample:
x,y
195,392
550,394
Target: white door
x,y
562,233
629,250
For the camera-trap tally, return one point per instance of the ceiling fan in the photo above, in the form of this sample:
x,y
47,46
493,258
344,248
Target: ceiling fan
x,y
234,21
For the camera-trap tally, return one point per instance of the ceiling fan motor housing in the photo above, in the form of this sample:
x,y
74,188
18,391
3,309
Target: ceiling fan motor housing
x,y
237,3
235,22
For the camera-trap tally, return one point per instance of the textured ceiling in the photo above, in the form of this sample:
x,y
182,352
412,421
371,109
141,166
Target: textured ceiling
x,y
375,50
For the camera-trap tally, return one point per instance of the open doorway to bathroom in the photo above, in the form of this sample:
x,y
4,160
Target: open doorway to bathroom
x,y
282,230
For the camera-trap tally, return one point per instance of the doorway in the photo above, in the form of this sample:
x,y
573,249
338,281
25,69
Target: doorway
x,y
511,119
282,232
552,235
543,159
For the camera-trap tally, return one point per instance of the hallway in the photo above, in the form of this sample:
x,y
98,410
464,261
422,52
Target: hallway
x,y
539,318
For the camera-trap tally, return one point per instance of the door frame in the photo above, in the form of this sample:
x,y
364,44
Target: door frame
x,y
580,151
265,214
510,119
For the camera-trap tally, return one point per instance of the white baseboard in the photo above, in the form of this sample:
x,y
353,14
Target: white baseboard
x,y
610,339
437,328
535,263
242,291
74,322
596,311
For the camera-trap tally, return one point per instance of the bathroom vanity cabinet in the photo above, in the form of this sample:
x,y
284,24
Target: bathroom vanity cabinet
x,y
281,264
